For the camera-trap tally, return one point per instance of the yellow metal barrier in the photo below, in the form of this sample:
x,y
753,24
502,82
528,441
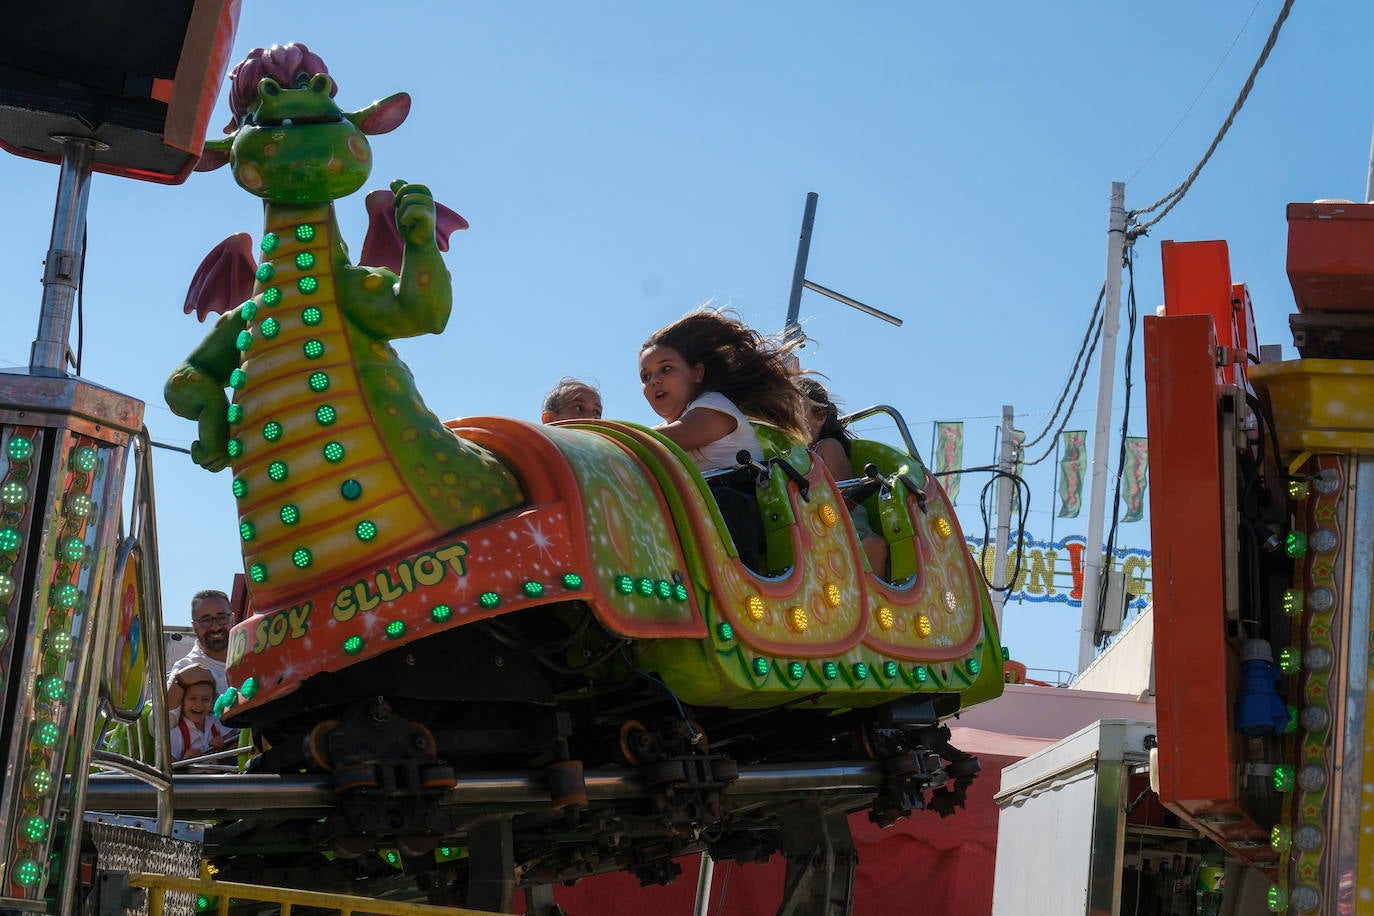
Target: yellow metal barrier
x,y
347,905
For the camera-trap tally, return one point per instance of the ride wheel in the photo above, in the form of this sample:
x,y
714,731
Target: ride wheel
x,y
438,776
317,744
634,742
567,786
355,776
423,738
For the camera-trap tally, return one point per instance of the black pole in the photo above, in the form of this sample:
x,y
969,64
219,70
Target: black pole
x,y
792,329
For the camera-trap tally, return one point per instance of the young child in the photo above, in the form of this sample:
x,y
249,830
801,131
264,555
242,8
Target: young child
x,y
705,375
196,730
571,399
830,443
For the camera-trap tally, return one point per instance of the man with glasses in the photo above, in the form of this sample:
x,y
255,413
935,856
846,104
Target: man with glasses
x,y
211,618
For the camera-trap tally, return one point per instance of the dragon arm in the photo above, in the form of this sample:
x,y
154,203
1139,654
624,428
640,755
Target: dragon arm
x,y
420,299
195,390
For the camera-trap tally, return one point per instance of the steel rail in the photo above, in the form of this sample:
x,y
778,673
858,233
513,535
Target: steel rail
x,y
248,796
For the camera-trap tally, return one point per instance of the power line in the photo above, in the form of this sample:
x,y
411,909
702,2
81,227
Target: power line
x,y
1174,196
1197,98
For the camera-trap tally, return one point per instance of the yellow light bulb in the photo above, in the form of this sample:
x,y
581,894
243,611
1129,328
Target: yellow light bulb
x,y
886,619
797,618
943,526
832,594
828,515
923,626
755,608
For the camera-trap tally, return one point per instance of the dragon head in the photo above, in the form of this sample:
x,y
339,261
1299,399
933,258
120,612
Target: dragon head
x,y
289,140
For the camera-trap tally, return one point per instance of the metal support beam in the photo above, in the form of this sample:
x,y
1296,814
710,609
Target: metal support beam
x,y
491,868
792,327
50,354
1111,321
820,862
1006,463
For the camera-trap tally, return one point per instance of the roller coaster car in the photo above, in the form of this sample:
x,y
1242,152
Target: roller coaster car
x,y
608,620
433,600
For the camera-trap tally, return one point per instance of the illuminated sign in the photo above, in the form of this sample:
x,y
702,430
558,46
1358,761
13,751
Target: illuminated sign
x,y
1052,571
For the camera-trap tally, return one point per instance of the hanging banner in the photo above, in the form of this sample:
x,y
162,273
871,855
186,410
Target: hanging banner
x,y
949,456
1072,461
1133,479
1018,438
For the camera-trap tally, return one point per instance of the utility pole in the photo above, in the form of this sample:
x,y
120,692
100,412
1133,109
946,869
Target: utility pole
x,y
1006,463
1111,320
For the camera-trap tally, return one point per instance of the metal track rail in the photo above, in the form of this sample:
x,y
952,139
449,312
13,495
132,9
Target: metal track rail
x,y
248,796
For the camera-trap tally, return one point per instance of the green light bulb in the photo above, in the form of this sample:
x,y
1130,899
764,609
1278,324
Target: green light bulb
x,y
14,493
302,557
85,459
318,381
19,448
353,645
264,272
268,243
325,415
313,349
333,452
307,285
489,600
271,296
271,328
572,581
365,530
396,629
312,316
441,613
305,260
272,431
305,233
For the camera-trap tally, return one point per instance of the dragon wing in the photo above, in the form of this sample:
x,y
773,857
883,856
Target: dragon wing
x,y
224,279
382,244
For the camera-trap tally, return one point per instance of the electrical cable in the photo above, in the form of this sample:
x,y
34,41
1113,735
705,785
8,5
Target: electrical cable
x,y
691,729
1174,196
1093,331
1023,514
1197,98
1097,336
81,303
1125,428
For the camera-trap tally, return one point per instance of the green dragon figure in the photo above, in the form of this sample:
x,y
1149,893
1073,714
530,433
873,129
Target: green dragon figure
x,y
331,447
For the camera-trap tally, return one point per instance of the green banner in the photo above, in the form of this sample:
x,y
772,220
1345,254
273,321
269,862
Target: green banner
x,y
1073,460
949,456
1134,478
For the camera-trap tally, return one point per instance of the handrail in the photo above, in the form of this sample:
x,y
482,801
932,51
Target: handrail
x,y
159,885
896,416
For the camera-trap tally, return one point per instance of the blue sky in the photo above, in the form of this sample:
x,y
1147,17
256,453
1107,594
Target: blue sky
x,y
625,162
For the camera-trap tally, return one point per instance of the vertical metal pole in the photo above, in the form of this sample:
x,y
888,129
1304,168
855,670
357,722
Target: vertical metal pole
x,y
1111,320
50,352
1006,462
704,875
792,328
1369,180
1053,514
